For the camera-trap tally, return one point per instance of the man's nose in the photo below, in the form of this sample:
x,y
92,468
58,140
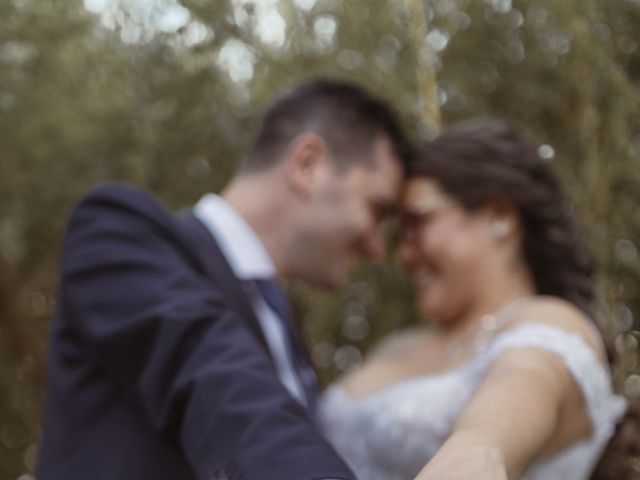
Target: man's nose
x,y
375,244
377,247
405,252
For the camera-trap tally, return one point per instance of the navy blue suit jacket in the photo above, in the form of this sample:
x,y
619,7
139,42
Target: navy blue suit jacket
x,y
157,365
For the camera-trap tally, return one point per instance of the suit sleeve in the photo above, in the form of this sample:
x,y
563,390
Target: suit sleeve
x,y
162,333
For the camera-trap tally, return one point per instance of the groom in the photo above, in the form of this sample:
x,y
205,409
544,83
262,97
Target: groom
x,y
173,354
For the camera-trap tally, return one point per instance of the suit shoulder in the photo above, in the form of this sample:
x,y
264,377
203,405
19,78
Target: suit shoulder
x,y
115,220
121,199
117,193
117,211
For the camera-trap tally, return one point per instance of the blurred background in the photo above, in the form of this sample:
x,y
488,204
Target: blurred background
x,y
162,94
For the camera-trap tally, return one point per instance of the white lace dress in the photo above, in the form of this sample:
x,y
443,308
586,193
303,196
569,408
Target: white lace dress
x,y
390,434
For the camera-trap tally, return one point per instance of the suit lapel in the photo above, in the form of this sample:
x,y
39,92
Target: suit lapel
x,y
216,267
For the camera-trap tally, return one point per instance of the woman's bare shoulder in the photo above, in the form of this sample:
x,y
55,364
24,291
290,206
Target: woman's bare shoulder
x,y
557,312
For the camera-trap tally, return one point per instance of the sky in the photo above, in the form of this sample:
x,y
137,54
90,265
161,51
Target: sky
x,y
168,16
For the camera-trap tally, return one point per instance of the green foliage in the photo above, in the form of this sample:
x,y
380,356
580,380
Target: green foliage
x,y
87,98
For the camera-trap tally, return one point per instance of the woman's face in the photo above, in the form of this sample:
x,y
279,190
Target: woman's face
x,y
446,249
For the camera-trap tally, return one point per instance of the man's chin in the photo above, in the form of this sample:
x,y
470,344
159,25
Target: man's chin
x,y
333,282
327,280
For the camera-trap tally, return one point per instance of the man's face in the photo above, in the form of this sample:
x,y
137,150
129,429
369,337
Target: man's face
x,y
342,220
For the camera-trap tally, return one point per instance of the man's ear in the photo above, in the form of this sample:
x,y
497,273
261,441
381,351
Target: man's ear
x,y
305,163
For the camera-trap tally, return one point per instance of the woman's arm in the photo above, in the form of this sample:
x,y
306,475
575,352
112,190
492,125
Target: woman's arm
x,y
512,418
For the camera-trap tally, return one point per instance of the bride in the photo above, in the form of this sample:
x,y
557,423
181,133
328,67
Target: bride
x,y
513,382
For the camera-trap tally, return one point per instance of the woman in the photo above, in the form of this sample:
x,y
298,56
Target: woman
x,y
513,382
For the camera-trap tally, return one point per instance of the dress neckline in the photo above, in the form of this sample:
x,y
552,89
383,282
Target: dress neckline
x,y
489,325
401,383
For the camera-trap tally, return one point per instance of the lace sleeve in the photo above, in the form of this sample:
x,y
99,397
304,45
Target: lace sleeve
x,y
605,408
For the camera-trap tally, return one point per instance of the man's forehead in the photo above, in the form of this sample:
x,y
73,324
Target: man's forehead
x,y
421,194
383,147
385,182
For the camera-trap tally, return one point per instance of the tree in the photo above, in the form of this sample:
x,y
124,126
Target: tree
x,y
126,95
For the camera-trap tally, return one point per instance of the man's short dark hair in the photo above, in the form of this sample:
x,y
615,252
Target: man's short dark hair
x,y
345,115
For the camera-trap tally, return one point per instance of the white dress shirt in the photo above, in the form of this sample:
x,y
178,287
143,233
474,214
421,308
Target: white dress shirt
x,y
250,261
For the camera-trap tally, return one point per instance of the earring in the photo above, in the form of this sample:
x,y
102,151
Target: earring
x,y
500,228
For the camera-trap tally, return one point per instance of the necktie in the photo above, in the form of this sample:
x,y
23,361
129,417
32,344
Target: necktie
x,y
275,297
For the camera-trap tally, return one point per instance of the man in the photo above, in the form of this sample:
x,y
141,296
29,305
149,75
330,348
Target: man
x,y
172,353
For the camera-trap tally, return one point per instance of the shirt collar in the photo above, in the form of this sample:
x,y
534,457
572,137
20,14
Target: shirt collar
x,y
240,245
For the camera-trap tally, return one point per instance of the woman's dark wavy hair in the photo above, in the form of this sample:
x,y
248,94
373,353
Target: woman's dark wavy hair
x,y
485,160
